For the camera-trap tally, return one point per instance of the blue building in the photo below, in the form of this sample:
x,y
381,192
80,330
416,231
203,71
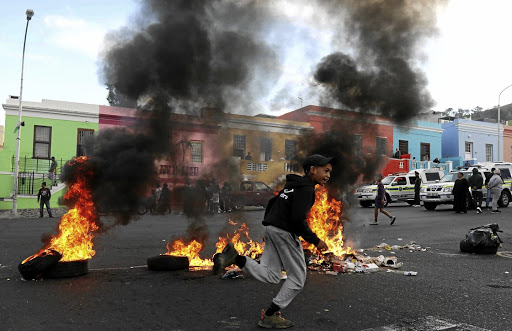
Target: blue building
x,y
421,139
472,141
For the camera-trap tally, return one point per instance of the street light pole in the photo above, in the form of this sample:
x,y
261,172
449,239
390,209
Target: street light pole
x,y
29,14
499,113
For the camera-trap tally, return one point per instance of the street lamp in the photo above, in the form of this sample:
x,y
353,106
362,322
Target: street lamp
x,y
499,114
29,14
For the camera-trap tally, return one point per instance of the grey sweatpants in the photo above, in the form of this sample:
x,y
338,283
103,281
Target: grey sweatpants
x,y
495,197
283,250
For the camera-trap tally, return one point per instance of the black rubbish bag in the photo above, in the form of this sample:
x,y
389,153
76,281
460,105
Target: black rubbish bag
x,y
482,240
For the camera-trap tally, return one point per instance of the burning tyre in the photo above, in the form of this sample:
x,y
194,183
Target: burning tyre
x,y
167,263
34,267
67,269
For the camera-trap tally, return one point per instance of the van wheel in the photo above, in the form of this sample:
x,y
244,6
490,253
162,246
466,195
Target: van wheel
x,y
430,205
504,199
365,204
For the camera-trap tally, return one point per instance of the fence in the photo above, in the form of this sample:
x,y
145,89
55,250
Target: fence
x,y
39,166
29,183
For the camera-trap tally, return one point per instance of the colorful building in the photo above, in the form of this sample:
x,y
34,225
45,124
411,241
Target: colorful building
x,y
51,128
472,141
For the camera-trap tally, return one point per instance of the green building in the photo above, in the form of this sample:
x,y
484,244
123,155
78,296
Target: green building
x,y
51,128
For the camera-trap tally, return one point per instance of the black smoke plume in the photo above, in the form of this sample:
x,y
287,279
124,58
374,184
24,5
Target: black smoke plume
x,y
381,75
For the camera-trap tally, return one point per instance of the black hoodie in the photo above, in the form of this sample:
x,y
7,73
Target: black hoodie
x,y
288,210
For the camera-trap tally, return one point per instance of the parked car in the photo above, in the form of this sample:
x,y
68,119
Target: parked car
x,y
251,193
439,193
399,186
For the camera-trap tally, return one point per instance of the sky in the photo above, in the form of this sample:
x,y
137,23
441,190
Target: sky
x,y
467,64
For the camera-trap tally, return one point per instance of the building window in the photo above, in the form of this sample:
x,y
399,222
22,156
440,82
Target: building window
x,y
380,145
82,137
239,146
265,149
42,142
196,151
403,146
290,149
425,151
358,143
488,152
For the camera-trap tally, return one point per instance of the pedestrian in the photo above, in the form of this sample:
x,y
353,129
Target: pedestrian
x,y
380,201
495,185
43,198
52,172
164,200
417,187
467,164
158,192
476,181
225,197
248,156
152,202
488,195
460,191
436,160
284,221
397,154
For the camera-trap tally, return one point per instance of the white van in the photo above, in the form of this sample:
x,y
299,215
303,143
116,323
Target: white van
x,y
399,186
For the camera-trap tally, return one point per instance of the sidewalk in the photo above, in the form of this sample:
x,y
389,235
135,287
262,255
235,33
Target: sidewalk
x,y
31,213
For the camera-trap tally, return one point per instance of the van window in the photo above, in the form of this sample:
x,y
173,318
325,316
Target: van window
x,y
432,176
401,181
505,172
412,179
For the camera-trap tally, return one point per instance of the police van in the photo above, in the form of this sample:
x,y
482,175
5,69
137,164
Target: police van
x,y
398,186
440,192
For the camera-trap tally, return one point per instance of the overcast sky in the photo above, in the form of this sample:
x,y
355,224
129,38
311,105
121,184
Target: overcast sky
x,y
468,64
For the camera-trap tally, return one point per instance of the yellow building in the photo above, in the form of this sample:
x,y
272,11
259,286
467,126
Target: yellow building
x,y
264,147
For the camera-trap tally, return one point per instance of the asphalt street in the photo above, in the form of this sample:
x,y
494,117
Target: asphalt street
x,y
452,290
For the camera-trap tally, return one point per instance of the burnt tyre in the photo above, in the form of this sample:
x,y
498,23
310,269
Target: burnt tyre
x,y
34,268
167,263
238,203
365,204
67,269
504,199
430,205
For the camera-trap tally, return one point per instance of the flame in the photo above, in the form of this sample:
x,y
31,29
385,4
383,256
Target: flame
x,y
324,219
76,227
243,243
190,250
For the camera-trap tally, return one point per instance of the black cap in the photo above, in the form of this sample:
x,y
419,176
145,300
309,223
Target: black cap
x,y
317,160
43,183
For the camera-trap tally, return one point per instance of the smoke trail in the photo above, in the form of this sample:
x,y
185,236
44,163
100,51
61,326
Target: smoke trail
x,y
381,76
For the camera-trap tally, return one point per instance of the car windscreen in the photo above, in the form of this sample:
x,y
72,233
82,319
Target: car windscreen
x,y
452,176
261,187
387,180
432,176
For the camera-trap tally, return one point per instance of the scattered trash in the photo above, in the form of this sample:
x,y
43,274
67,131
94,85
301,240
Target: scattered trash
x,y
326,309
410,273
333,273
232,274
400,239
370,267
507,272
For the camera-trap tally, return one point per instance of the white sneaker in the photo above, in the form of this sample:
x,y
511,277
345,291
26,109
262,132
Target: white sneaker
x,y
478,210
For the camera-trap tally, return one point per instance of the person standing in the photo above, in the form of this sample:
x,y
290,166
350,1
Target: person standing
x,y
397,154
164,202
476,181
460,192
43,198
248,156
488,195
380,201
52,172
284,221
417,187
495,186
